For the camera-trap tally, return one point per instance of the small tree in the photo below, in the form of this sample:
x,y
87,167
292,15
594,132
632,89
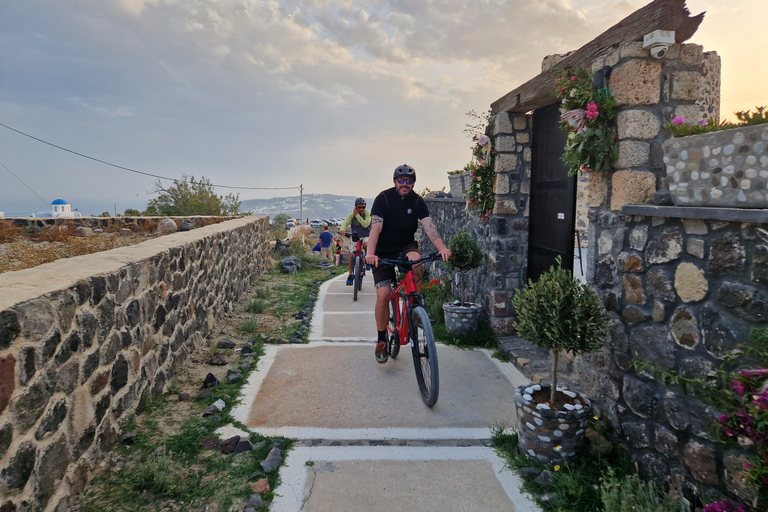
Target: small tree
x,y
559,313
190,197
131,212
466,254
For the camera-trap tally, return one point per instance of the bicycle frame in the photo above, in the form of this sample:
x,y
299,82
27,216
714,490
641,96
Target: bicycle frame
x,y
406,296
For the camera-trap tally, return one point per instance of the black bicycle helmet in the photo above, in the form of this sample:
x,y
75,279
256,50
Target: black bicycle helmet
x,y
404,171
359,201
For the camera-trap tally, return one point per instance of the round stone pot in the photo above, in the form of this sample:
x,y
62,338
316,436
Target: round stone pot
x,y
461,319
550,436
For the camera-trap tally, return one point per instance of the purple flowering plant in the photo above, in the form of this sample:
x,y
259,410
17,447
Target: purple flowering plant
x,y
741,395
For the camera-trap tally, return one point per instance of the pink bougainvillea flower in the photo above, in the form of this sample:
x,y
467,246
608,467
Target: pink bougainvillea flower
x,y
678,120
738,386
591,112
574,78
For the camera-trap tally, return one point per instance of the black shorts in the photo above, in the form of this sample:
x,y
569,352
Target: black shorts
x,y
387,272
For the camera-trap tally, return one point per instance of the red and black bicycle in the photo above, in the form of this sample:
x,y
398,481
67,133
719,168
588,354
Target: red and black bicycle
x,y
409,324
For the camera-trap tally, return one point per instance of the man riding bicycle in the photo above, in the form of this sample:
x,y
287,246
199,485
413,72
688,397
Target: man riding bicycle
x,y
396,214
360,220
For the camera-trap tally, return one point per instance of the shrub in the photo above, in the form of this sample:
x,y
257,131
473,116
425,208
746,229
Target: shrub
x,y
561,314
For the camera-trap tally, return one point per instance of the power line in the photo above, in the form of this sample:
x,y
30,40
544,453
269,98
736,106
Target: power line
x,y
22,182
132,170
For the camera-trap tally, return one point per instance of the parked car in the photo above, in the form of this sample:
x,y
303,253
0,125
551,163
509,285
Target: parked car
x,y
316,223
290,223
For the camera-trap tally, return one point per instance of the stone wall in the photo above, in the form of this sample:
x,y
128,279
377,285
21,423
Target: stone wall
x,y
726,168
684,285
85,341
683,293
133,223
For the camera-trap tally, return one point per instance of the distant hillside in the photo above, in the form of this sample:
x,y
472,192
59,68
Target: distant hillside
x,y
316,206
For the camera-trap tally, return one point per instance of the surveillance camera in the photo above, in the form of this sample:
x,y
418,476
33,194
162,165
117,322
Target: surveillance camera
x,y
658,51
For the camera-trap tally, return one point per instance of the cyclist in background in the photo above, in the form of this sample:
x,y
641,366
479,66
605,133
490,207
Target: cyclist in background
x,y
360,222
396,214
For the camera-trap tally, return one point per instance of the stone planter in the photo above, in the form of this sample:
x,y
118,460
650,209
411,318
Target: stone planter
x,y
728,168
549,436
461,319
456,182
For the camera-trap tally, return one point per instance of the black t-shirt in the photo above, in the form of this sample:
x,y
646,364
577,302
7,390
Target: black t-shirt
x,y
401,217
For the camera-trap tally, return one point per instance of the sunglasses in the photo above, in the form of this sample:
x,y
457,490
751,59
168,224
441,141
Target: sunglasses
x,y
405,181
361,207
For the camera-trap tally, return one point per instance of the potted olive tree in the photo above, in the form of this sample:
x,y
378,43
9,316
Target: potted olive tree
x,y
560,314
461,316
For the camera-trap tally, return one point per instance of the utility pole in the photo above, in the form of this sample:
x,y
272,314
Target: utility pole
x,y
301,203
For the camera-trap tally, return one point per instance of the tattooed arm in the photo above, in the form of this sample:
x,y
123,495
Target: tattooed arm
x,y
373,239
434,236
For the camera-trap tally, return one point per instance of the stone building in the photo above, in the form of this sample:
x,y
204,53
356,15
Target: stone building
x,y
683,278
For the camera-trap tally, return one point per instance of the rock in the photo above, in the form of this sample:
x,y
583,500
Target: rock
x,y
273,460
128,438
243,446
215,407
185,397
544,478
228,445
219,359
225,343
186,226
290,265
256,475
166,227
204,394
246,350
529,473
98,231
234,377
83,231
209,443
210,381
245,367
260,486
255,501
125,232
296,340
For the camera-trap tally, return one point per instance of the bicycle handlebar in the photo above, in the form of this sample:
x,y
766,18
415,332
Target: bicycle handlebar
x,y
354,237
407,265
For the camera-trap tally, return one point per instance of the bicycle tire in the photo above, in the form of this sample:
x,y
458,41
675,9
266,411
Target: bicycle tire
x,y
357,283
394,336
424,356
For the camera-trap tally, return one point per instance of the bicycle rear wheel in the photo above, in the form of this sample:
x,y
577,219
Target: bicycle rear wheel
x,y
393,336
424,356
358,281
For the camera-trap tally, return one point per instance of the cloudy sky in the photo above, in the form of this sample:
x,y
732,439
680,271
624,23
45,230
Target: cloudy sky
x,y
331,95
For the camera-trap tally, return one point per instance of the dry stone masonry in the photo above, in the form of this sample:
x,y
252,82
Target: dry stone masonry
x,y
726,168
85,341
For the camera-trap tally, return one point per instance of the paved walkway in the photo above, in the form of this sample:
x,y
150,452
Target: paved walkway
x,y
366,441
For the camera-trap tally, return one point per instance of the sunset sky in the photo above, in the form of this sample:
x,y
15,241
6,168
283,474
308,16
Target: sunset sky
x,y
331,95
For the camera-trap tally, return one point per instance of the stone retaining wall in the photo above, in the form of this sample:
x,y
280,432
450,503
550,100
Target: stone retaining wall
x,y
85,341
134,223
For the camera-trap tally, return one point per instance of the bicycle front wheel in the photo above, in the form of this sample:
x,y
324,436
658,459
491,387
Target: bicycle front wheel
x,y
358,281
424,356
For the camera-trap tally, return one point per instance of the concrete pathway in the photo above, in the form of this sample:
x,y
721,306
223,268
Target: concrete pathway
x,y
366,441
